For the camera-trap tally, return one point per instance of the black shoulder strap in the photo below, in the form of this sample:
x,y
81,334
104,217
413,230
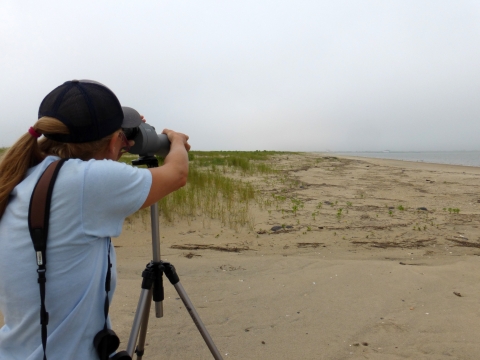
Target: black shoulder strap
x,y
38,218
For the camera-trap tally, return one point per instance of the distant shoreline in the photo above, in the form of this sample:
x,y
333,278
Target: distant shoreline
x,y
408,164
454,158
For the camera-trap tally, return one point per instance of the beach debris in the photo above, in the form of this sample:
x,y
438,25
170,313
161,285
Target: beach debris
x,y
261,232
422,208
309,245
280,229
328,202
227,267
227,247
419,264
263,342
462,242
190,255
458,294
404,244
364,343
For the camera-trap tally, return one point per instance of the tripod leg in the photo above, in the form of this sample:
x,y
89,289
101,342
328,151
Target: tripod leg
x,y
198,322
156,250
143,330
143,308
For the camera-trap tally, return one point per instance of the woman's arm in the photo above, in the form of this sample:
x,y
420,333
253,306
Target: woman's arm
x,y
172,175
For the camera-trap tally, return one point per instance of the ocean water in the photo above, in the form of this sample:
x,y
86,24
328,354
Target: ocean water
x,y
467,158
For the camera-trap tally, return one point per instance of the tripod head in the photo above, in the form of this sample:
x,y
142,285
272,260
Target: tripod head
x,y
150,161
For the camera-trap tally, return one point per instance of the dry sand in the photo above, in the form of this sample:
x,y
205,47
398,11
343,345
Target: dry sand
x,y
372,282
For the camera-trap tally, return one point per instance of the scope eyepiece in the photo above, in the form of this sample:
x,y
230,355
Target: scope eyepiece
x,y
130,133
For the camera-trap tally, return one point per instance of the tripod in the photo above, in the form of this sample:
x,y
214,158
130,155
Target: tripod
x,y
152,287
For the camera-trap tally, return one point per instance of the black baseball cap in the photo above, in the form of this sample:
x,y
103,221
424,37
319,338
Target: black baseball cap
x,y
89,109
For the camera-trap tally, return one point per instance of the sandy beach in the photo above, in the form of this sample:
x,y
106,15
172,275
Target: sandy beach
x,y
372,259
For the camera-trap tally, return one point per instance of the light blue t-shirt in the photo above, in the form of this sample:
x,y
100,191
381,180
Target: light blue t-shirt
x,y
89,204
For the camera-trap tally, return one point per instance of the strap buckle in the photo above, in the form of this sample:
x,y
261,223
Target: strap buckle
x,y
39,258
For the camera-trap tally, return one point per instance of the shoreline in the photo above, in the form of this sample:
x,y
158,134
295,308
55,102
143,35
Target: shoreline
x,y
415,164
402,160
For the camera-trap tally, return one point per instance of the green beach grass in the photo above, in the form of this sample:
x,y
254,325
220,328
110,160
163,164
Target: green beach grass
x,y
218,188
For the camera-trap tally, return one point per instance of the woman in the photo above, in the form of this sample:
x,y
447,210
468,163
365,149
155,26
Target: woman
x,y
93,193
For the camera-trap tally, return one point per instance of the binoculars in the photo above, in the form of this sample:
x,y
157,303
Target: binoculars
x,y
147,141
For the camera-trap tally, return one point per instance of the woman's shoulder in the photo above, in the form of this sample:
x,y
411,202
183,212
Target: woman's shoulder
x,y
113,172
92,170
95,165
107,166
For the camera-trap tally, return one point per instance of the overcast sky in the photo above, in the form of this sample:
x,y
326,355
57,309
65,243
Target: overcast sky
x,y
335,75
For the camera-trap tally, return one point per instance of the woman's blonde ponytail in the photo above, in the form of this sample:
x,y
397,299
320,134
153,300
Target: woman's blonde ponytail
x,y
28,152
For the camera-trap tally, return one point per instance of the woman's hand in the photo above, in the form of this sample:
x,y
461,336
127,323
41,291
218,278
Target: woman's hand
x,y
176,136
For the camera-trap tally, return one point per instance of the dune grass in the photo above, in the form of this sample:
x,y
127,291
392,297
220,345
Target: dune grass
x,y
246,162
218,188
209,194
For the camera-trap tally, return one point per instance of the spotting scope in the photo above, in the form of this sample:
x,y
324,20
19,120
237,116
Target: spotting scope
x,y
147,141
